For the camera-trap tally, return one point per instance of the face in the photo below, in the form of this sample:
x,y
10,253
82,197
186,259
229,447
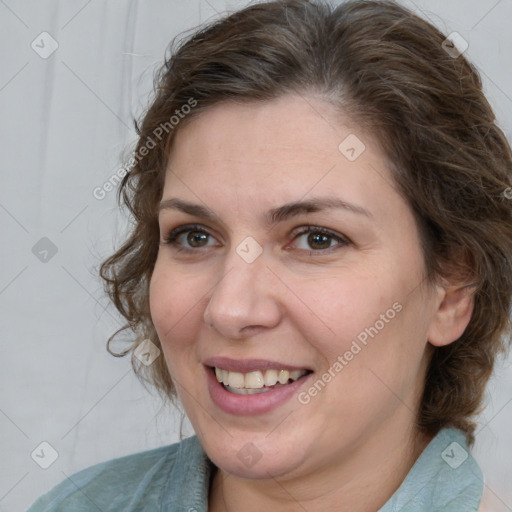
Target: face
x,y
314,317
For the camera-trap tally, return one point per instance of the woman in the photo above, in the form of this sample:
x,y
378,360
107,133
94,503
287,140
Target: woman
x,y
321,252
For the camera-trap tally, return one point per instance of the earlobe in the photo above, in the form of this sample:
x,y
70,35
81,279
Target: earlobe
x,y
452,315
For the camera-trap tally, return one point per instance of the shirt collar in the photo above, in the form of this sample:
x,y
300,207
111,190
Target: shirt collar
x,y
445,477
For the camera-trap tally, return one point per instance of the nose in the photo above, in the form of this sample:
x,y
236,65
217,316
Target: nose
x,y
244,299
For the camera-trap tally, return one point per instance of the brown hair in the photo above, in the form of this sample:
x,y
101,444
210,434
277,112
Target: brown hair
x,y
389,70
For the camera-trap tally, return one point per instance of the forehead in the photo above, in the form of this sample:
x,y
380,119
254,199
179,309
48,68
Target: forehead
x,y
275,151
290,127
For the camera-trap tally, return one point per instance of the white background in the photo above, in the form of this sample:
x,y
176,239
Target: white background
x,y
64,124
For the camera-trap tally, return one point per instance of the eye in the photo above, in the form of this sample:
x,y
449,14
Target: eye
x,y
320,239
194,237
189,237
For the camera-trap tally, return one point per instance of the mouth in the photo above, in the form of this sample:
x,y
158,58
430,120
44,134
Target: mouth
x,y
252,387
258,381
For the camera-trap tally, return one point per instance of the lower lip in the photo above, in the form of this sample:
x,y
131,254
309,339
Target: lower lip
x,y
250,405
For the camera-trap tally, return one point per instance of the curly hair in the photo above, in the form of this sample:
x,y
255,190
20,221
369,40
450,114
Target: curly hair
x,y
391,71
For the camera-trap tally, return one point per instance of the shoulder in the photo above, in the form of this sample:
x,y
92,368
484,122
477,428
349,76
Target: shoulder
x,y
132,482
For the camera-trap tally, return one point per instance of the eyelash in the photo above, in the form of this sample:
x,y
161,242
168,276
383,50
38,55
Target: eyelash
x,y
172,237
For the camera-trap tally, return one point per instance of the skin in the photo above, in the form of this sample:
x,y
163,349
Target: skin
x,y
298,303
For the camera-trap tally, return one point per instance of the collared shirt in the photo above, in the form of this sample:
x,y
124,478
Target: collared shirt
x,y
176,478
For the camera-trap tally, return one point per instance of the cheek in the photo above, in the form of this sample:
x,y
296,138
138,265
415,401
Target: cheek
x,y
175,303
341,307
370,320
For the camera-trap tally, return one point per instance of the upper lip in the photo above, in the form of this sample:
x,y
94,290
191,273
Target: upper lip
x,y
249,365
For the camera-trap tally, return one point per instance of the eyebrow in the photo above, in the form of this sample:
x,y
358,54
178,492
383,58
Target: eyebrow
x,y
274,215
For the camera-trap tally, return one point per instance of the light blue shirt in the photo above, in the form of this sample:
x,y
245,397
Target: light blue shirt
x,y
175,478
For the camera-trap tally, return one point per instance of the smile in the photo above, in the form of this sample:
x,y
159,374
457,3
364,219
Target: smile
x,y
255,382
247,387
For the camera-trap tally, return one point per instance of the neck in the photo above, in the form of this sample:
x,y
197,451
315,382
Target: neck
x,y
363,481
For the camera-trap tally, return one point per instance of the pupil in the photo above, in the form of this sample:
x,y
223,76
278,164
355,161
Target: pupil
x,y
316,239
194,237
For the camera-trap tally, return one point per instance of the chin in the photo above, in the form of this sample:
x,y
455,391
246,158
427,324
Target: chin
x,y
254,456
254,463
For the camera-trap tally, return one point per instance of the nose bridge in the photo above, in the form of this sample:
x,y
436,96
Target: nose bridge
x,y
239,275
242,297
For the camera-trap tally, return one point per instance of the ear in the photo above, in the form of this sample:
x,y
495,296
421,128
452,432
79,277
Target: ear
x,y
454,310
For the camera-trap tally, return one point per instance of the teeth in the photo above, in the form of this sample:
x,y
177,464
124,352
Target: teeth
x,y
257,381
270,378
253,380
244,391
284,375
296,374
235,380
222,375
